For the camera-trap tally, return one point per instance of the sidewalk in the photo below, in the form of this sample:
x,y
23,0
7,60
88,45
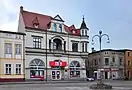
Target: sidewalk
x,y
41,82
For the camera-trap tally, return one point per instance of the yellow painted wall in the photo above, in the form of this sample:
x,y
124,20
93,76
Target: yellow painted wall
x,y
14,59
13,62
128,67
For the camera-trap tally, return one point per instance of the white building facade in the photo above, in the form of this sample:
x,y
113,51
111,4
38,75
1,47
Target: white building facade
x,y
53,50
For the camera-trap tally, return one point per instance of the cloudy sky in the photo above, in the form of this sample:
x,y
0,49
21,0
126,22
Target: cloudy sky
x,y
113,17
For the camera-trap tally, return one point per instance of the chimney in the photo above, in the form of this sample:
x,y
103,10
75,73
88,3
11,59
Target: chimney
x,y
93,50
21,8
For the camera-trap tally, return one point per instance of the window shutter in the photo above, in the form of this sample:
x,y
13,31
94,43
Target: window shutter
x,y
64,45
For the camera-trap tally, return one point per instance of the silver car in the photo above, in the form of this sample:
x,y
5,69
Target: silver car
x,y
90,79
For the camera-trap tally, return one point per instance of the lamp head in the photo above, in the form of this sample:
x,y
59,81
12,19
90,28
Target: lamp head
x,y
100,32
108,41
92,42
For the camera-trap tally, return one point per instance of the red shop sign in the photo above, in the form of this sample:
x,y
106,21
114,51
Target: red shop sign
x,y
56,63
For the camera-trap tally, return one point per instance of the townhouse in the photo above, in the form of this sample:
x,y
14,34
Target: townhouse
x,y
112,64
53,50
11,56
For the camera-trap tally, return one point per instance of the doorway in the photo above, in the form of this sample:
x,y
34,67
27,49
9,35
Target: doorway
x,y
106,75
56,75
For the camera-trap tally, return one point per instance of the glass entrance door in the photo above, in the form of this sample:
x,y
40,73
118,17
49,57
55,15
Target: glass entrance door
x,y
56,75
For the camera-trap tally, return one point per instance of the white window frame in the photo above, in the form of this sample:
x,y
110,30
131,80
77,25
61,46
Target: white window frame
x,y
60,29
74,69
18,48
82,32
84,47
8,49
108,61
8,69
18,70
37,42
37,68
54,27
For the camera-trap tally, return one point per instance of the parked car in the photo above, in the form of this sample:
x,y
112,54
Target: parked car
x,y
90,79
125,78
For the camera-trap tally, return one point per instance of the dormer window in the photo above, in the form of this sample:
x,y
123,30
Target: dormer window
x,y
55,27
35,25
60,27
73,31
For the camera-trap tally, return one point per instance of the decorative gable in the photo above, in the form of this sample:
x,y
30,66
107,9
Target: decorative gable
x,y
57,17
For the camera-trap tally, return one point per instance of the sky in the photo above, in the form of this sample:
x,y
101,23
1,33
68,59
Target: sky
x,y
113,17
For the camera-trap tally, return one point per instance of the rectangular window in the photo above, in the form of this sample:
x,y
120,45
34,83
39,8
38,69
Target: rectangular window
x,y
82,47
86,47
128,53
82,32
60,27
74,73
8,48
18,49
95,61
8,69
113,60
106,61
37,42
36,73
128,63
55,27
85,32
74,47
18,69
120,61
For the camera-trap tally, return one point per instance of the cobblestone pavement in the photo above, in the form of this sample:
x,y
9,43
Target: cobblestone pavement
x,y
117,85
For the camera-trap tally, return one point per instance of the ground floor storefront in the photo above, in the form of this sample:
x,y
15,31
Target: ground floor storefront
x,y
109,73
57,70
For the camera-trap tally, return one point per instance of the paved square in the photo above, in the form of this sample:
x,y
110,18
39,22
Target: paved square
x,y
117,85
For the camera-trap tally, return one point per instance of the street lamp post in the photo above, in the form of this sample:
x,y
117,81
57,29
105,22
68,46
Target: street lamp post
x,y
100,85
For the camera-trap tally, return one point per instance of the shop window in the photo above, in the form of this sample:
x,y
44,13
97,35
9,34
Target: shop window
x,y
74,69
36,68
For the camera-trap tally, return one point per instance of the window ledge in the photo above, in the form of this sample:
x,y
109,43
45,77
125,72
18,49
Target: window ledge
x,y
8,74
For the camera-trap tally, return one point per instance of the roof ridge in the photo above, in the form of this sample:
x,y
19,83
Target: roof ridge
x,y
37,13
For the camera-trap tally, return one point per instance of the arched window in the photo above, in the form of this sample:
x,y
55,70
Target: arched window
x,y
55,27
36,68
57,44
75,69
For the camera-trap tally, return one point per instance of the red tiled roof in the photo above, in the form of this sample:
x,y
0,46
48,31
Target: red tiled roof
x,y
71,29
43,21
29,17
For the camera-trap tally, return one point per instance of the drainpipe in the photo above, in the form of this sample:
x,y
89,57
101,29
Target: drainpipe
x,y
46,57
68,59
24,56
